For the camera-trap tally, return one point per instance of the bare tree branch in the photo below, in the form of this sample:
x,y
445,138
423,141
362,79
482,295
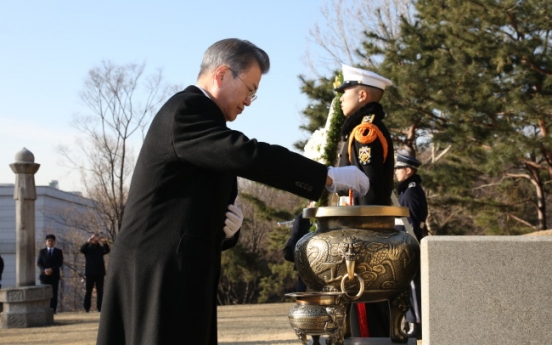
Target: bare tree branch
x,y
122,101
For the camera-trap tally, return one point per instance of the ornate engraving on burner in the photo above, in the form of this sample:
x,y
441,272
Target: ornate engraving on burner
x,y
361,256
351,248
323,256
399,305
381,260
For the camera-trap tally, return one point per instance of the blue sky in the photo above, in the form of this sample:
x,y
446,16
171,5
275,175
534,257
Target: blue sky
x,y
47,48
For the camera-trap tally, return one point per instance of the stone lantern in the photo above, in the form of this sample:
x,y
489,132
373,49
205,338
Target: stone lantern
x,y
25,305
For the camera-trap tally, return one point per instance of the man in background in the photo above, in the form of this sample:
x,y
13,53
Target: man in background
x,y
410,192
94,270
50,260
301,226
412,195
1,269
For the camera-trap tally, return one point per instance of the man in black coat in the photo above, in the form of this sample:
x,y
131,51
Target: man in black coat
x,y
180,214
412,195
50,260
94,269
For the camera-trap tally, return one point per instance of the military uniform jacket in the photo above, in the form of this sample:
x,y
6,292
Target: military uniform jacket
x,y
164,267
412,195
369,157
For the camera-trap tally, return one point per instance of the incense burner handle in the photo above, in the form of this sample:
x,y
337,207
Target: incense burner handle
x,y
360,291
350,249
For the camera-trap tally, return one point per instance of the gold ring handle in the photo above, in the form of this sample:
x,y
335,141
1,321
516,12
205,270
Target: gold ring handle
x,y
360,291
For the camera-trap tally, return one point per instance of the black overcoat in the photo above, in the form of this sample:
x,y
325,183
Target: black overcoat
x,y
164,266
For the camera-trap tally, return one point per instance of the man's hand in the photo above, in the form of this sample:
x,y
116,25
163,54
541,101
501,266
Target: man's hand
x,y
234,220
348,177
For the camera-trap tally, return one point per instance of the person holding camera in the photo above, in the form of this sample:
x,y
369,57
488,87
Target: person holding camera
x,y
94,250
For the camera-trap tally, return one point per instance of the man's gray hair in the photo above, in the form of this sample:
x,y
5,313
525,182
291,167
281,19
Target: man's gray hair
x,y
238,55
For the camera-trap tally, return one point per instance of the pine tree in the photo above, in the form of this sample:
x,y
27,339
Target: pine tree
x,y
476,75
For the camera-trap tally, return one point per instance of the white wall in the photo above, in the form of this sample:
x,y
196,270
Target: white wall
x,y
50,203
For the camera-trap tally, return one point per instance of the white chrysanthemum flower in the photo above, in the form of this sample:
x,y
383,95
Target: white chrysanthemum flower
x,y
314,149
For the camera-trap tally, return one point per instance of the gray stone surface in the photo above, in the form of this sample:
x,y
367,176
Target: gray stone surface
x,y
25,196
486,290
27,306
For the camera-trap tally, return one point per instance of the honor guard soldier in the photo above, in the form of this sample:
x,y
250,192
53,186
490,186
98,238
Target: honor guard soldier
x,y
367,145
366,141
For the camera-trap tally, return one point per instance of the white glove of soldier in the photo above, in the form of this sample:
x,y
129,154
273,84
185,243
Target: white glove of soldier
x,y
348,177
234,220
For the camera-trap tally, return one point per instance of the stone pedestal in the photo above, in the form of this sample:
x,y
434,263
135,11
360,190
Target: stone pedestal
x,y
27,306
486,290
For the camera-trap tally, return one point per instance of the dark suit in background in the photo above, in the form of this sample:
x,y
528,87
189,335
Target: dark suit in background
x,y
52,261
301,227
1,270
94,270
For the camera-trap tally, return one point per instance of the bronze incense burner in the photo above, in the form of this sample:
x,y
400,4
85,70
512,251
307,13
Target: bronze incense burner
x,y
358,252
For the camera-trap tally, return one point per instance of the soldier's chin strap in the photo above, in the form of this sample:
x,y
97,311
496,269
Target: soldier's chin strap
x,y
366,133
404,220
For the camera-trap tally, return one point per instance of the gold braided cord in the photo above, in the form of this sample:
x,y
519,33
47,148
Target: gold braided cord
x,y
366,133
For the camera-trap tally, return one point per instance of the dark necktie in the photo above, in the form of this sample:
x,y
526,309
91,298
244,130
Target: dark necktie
x,y
50,250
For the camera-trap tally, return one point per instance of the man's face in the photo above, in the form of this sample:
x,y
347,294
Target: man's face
x,y
234,93
350,101
50,243
402,173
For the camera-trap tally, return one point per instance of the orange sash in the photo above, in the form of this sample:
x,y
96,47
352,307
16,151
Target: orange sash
x,y
366,133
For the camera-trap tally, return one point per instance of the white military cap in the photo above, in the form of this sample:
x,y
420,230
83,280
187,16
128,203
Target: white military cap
x,y
355,76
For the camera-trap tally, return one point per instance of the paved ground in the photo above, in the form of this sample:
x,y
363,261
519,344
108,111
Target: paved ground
x,y
259,324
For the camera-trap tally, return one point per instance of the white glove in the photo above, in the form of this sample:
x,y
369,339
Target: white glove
x,y
234,220
348,177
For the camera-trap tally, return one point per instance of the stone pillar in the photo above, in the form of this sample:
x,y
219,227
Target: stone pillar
x,y
26,305
25,195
